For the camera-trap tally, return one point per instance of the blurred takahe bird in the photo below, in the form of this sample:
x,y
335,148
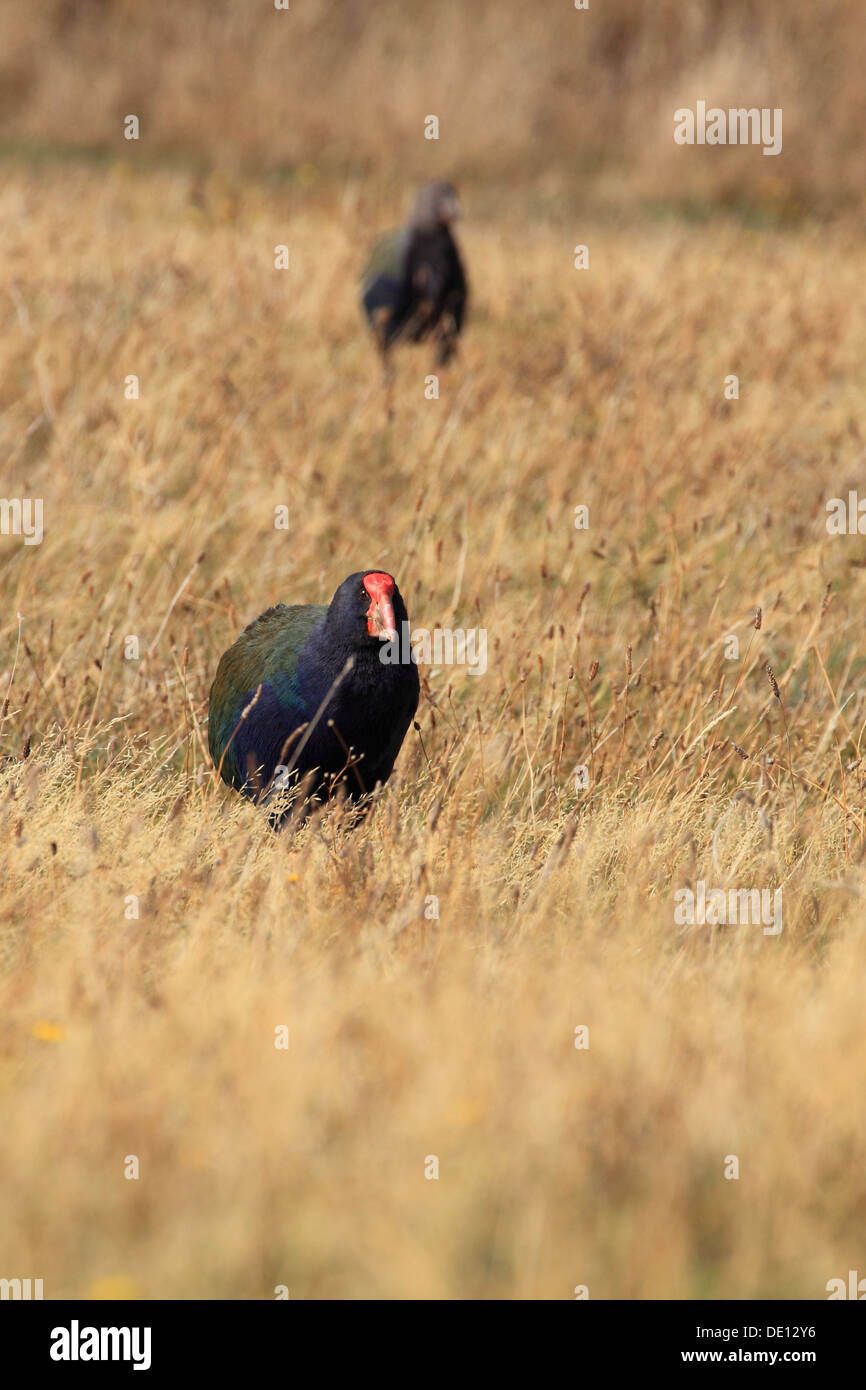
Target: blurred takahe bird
x,y
303,701
414,285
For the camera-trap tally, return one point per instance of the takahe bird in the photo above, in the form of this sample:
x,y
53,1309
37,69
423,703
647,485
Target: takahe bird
x,y
414,285
303,694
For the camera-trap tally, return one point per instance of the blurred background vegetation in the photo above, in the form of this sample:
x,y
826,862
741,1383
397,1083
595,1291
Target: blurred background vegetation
x,y
580,102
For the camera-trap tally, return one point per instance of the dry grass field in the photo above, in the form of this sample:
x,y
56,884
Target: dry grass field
x,y
156,933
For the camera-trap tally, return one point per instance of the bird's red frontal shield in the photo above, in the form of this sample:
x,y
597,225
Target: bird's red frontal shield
x,y
380,615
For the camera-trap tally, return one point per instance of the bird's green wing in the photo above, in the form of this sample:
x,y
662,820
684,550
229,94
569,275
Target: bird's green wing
x,y
386,257
266,654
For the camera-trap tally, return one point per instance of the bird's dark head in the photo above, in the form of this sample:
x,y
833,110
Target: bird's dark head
x,y
436,204
368,608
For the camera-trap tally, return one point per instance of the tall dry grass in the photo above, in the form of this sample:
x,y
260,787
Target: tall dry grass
x,y
411,1036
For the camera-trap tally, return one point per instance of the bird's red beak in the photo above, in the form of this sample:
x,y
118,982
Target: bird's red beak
x,y
381,622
